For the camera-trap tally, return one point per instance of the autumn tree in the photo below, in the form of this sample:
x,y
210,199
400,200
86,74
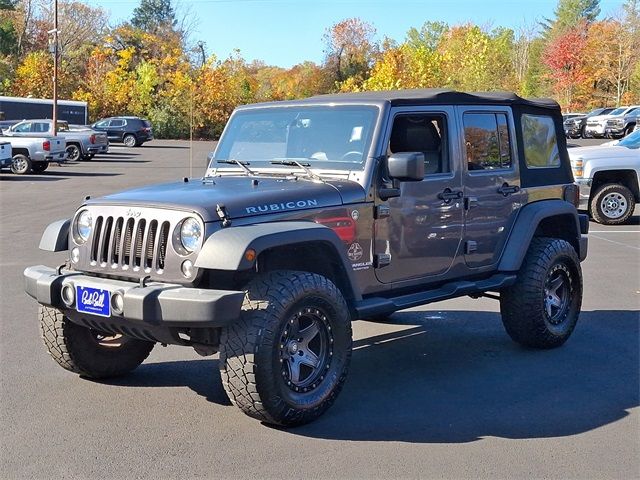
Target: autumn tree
x,y
564,56
350,49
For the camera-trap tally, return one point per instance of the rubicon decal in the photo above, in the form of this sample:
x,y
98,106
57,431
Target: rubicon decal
x,y
278,207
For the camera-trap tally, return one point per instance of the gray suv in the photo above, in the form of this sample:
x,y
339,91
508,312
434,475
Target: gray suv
x,y
313,214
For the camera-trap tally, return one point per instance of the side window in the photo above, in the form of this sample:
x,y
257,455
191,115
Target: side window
x,y
424,133
40,127
102,124
22,128
487,143
116,123
540,143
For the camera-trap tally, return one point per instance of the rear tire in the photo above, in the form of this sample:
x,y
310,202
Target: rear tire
x,y
73,152
285,360
130,140
21,164
612,204
88,352
541,309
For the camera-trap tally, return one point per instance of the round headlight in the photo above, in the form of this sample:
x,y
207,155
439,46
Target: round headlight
x,y
190,234
84,224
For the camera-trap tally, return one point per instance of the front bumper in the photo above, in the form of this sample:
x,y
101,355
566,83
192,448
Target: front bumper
x,y
154,308
594,130
584,184
614,130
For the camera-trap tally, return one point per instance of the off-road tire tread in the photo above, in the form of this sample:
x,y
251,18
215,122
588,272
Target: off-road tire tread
x,y
520,304
57,333
266,297
604,190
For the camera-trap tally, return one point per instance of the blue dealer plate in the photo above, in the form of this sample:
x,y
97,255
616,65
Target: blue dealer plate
x,y
95,301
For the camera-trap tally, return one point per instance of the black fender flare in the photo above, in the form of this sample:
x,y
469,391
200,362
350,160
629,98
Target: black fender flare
x,y
225,249
56,236
526,224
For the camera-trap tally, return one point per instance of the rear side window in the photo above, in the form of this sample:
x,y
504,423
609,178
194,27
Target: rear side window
x,y
486,137
116,123
540,142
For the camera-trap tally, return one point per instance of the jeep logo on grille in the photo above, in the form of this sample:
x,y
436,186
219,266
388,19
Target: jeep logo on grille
x,y
133,213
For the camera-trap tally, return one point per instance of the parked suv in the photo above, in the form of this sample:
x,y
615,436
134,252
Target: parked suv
x,y
574,127
623,125
132,131
597,125
312,214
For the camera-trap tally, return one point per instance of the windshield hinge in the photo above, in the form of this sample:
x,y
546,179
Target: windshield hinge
x,y
221,210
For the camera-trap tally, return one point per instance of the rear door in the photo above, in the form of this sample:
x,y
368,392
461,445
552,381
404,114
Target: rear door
x,y
492,182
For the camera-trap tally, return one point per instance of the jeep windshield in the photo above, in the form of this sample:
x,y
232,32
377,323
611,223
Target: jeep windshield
x,y
320,137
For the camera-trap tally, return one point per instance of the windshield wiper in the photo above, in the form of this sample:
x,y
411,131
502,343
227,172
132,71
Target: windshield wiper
x,y
292,162
240,163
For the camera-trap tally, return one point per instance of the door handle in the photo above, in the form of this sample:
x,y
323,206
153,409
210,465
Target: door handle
x,y
447,195
507,189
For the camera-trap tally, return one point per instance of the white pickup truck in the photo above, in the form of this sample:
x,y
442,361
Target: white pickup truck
x,y
609,178
33,154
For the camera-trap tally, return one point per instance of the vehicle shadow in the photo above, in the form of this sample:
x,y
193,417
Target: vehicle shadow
x,y
179,147
123,159
456,377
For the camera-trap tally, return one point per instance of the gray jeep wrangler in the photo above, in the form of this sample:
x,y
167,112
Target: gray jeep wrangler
x,y
312,214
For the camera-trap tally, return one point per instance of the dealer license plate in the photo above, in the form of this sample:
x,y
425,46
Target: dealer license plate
x,y
93,300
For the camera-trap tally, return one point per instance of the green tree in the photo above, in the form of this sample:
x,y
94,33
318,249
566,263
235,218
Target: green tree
x,y
570,13
429,35
151,15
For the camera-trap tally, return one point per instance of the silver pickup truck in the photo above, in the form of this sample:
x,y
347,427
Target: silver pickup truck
x,y
82,144
33,154
5,154
609,177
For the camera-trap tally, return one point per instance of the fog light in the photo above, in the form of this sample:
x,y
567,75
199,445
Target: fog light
x,y
117,303
187,268
68,295
75,255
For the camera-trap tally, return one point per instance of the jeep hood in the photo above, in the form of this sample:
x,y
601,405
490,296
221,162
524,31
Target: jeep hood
x,y
241,196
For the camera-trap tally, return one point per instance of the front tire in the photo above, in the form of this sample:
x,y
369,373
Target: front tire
x,y
541,309
88,352
285,360
612,204
21,164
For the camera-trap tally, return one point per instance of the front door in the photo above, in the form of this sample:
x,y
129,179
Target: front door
x,y
492,182
115,129
418,233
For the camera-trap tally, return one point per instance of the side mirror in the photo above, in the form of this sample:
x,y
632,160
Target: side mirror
x,y
406,167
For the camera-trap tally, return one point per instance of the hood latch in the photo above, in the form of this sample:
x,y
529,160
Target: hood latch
x,y
221,210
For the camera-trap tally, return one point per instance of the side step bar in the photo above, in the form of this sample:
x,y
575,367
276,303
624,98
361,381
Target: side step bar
x,y
374,306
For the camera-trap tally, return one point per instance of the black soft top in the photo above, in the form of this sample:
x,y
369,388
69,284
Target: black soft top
x,y
430,96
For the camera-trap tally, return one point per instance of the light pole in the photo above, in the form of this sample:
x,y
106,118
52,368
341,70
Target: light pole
x,y
55,66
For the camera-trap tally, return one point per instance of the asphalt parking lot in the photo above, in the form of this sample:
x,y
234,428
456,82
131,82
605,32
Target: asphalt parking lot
x,y
441,392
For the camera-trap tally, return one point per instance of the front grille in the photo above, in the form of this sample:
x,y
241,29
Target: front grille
x,y
129,243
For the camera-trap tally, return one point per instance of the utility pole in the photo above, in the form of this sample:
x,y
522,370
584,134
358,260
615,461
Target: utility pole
x,y
55,67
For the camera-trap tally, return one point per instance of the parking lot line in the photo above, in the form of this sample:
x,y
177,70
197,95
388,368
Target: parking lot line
x,y
617,243
614,231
